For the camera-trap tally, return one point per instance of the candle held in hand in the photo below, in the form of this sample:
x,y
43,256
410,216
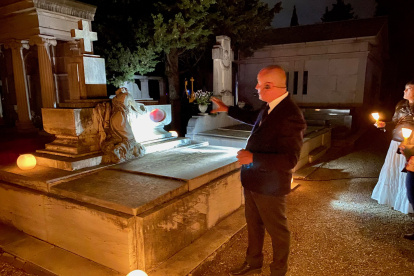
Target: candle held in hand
x,y
376,116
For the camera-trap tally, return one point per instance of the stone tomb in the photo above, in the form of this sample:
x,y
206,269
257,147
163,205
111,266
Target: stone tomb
x,y
134,215
316,141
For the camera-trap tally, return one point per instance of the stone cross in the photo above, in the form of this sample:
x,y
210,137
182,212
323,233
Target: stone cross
x,y
223,57
85,34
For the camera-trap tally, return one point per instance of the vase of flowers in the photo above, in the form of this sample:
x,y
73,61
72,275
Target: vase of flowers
x,y
202,98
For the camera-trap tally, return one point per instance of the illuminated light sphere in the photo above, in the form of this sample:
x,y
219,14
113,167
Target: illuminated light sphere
x,y
173,133
406,132
137,273
26,161
157,115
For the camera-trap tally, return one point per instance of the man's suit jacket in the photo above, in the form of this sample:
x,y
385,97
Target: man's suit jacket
x,y
275,144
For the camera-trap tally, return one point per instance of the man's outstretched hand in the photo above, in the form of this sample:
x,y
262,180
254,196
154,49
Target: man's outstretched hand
x,y
221,106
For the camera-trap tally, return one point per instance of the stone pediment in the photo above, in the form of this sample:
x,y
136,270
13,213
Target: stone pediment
x,y
67,7
23,19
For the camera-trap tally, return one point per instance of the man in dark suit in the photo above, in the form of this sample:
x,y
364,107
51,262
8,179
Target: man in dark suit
x,y
271,153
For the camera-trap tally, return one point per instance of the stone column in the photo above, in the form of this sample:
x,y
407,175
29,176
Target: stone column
x,y
23,107
45,69
145,89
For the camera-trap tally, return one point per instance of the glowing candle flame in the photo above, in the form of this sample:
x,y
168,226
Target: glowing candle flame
x,y
376,116
406,132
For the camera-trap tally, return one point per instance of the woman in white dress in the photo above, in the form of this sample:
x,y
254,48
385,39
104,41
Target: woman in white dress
x,y
390,188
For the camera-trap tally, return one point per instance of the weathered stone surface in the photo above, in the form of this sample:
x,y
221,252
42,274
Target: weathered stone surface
x,y
185,261
63,263
197,166
98,234
9,235
23,209
122,191
67,163
28,248
168,228
39,178
71,225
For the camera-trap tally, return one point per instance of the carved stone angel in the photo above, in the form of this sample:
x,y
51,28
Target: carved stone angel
x,y
117,138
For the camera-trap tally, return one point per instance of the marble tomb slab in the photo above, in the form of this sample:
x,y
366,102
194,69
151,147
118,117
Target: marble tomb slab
x,y
122,191
197,166
40,177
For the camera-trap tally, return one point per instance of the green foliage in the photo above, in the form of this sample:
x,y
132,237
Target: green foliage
x,y
180,24
340,11
124,38
135,35
123,64
202,97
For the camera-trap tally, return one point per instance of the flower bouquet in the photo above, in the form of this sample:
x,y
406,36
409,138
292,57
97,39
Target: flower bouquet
x,y
202,98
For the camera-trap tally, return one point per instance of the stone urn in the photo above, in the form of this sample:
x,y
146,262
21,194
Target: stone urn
x,y
202,108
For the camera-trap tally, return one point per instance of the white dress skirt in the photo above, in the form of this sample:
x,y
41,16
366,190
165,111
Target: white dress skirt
x,y
390,188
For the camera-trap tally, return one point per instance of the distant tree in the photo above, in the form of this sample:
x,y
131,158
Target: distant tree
x,y
340,11
246,22
294,20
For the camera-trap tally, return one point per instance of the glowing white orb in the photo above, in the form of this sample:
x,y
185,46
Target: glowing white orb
x,y
174,133
26,161
137,273
406,132
376,116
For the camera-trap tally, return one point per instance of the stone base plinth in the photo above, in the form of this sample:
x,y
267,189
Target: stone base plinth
x,y
43,158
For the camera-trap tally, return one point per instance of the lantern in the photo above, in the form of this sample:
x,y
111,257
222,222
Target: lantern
x,y
26,161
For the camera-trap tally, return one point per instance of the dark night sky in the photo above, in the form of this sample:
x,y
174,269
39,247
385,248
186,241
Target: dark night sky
x,y
311,11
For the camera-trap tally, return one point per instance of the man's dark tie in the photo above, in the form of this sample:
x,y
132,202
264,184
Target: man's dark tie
x,y
265,113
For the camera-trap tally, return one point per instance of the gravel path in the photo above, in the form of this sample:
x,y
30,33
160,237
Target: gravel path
x,y
8,270
336,228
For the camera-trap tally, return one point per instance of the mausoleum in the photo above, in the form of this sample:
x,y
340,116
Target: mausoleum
x,y
334,69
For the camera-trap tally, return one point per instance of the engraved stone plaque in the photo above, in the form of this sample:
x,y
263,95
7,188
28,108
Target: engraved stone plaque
x,y
94,70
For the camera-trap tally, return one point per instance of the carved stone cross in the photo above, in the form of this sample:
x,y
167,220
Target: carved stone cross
x,y
85,34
